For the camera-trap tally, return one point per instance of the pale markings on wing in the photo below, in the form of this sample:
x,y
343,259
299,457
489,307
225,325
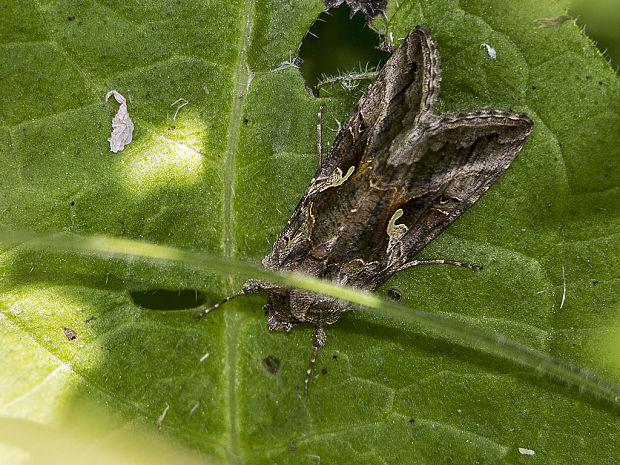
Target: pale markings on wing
x,y
395,231
333,180
338,179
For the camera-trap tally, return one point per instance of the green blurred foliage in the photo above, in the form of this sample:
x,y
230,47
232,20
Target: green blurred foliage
x,y
601,19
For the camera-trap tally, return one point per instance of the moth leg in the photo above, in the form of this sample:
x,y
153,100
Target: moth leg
x,y
318,341
250,287
437,262
319,137
220,303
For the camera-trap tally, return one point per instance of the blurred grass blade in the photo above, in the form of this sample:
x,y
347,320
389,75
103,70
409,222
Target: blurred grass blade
x,y
443,327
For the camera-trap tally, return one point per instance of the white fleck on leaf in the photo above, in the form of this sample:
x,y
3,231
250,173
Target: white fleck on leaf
x,y
491,51
122,126
524,451
183,102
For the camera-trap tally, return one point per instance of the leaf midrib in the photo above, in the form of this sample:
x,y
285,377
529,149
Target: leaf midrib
x,y
233,319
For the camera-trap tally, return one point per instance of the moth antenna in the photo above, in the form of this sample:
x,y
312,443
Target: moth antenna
x,y
318,340
220,303
438,262
319,137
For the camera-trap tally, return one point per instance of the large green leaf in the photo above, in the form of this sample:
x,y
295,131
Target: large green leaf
x,y
225,175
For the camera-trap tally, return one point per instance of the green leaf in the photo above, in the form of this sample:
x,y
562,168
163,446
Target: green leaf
x,y
224,176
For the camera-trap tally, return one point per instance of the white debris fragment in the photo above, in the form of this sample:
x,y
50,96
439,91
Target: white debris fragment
x,y
160,419
194,408
182,102
490,50
122,126
524,451
564,292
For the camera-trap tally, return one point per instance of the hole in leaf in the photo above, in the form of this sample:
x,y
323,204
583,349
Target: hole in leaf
x,y
394,294
337,44
162,299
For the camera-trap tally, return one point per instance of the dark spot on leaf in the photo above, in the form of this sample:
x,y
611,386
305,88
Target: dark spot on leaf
x,y
164,299
324,371
394,294
69,334
412,420
271,364
339,43
88,320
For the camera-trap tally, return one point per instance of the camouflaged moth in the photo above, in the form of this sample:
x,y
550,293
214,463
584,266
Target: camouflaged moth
x,y
395,176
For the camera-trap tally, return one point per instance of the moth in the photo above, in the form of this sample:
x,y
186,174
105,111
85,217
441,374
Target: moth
x,y
395,176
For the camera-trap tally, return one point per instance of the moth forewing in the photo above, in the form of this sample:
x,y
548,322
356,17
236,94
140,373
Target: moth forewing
x,y
404,91
453,162
395,176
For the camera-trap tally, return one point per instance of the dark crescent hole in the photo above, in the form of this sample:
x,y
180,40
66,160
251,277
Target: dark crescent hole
x,y
342,44
394,294
164,299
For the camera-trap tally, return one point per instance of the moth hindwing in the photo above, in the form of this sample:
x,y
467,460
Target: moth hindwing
x,y
395,176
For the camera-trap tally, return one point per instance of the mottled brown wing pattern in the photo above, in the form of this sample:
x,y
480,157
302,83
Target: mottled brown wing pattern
x,y
460,157
395,176
408,175
448,165
403,92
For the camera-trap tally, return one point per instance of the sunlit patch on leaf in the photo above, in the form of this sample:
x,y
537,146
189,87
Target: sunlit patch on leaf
x,y
168,157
